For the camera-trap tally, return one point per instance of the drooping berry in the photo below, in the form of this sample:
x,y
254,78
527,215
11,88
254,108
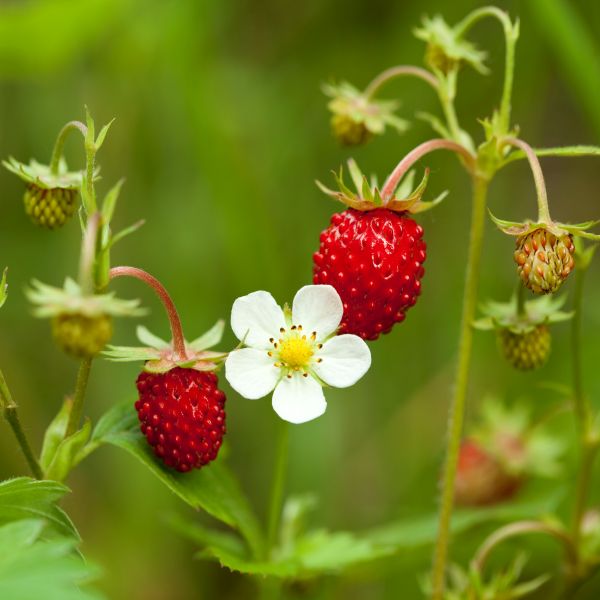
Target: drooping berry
x,y
481,479
50,208
182,415
80,335
374,259
544,260
528,350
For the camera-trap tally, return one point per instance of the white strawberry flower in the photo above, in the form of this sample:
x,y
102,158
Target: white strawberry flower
x,y
294,353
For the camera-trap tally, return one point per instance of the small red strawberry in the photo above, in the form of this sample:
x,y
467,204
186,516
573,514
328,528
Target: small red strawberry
x,y
180,407
481,478
182,415
373,255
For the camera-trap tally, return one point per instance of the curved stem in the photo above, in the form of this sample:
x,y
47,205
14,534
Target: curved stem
x,y
511,34
88,253
277,485
399,71
538,176
9,411
457,408
83,376
161,292
416,154
60,142
521,528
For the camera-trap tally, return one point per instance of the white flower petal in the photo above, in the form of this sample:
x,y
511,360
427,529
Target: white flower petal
x,y
299,399
255,318
346,358
317,308
251,373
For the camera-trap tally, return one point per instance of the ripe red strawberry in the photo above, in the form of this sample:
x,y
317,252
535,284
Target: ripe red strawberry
x,y
481,478
182,415
374,259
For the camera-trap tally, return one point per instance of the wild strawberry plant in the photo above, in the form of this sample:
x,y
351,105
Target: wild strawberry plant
x,y
368,271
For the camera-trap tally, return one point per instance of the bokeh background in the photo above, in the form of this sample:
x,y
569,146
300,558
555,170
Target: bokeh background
x,y
221,131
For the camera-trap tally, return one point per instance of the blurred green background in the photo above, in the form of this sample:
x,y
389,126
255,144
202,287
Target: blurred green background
x,y
221,130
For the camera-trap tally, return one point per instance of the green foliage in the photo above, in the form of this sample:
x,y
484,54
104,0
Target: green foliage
x,y
34,567
25,498
212,488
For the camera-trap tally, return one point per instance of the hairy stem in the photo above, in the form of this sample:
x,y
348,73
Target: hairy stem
x,y
60,143
511,34
399,71
457,408
416,154
83,376
277,485
161,292
9,411
538,176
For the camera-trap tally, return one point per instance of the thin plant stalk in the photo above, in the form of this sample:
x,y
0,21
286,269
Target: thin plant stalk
x,y
57,152
9,411
278,485
458,405
400,71
83,376
165,298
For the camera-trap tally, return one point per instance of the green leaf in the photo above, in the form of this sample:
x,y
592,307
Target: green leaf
x,y
102,135
25,498
34,568
414,532
3,288
209,339
66,455
110,201
212,488
54,434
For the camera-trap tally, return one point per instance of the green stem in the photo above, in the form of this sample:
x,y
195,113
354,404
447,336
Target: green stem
x,y
277,485
520,299
399,71
83,376
447,93
457,409
511,34
588,442
9,411
60,142
538,176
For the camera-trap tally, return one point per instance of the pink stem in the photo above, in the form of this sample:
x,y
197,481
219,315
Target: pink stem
x,y
417,153
161,292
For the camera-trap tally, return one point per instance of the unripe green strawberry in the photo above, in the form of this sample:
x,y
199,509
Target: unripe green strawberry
x,y
544,260
348,131
525,350
82,336
50,208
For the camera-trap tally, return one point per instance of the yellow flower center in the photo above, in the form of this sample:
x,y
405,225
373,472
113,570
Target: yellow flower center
x,y
295,351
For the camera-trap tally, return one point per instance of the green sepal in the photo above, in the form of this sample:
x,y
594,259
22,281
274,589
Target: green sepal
x,y
149,339
70,299
209,339
375,115
505,315
40,175
368,195
436,124
67,456
3,287
583,254
55,434
455,50
521,228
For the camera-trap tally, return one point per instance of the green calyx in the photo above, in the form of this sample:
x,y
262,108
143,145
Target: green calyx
x,y
42,177
511,437
446,49
356,118
51,301
160,356
404,198
506,315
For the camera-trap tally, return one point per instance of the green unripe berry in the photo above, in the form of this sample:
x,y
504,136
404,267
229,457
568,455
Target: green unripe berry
x,y
349,132
525,351
82,336
50,208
